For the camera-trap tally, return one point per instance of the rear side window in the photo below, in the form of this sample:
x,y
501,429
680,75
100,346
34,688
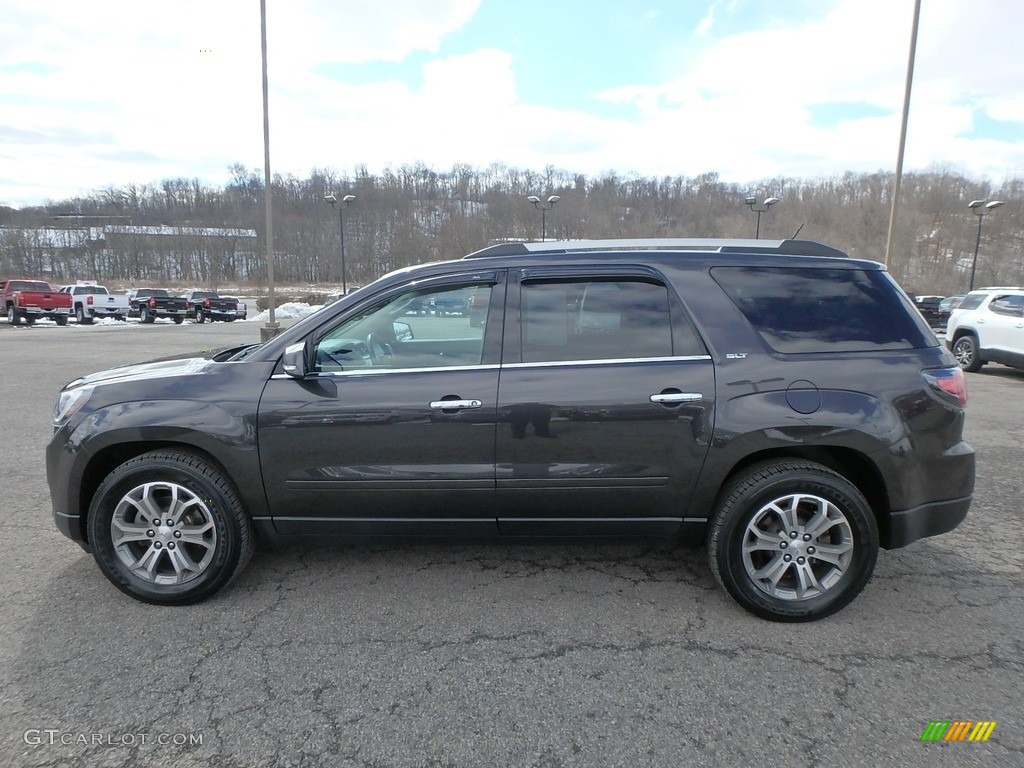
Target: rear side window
x,y
804,310
1007,305
595,320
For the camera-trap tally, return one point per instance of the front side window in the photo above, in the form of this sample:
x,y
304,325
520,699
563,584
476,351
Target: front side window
x,y
565,320
426,328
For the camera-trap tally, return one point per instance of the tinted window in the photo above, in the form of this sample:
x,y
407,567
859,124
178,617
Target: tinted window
x,y
1007,305
595,320
799,310
972,300
27,285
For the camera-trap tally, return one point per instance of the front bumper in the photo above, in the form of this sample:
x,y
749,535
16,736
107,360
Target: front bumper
x,y
71,526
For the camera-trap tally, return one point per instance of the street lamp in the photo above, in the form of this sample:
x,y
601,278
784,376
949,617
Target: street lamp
x,y
544,207
341,206
981,209
767,203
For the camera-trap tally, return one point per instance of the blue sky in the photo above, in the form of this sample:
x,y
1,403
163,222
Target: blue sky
x,y
117,92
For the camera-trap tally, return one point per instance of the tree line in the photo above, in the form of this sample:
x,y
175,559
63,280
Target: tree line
x,y
413,214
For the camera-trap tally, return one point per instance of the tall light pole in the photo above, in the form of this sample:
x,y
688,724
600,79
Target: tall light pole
x,y
341,206
272,328
544,207
753,205
981,209
903,133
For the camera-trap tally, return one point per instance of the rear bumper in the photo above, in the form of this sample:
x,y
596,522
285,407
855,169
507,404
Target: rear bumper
x,y
931,519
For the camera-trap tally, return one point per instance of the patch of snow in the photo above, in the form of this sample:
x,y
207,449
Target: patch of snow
x,y
288,311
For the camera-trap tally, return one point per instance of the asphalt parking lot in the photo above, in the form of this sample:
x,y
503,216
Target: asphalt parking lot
x,y
612,654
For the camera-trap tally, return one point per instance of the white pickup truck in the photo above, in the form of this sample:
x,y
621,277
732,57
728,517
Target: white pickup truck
x,y
89,301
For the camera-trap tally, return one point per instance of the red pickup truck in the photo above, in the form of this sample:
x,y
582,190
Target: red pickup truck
x,y
30,300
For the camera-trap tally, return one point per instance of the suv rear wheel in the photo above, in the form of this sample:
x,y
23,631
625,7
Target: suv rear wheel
x,y
168,528
792,541
965,350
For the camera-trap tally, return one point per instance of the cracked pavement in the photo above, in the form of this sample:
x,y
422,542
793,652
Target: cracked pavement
x,y
478,654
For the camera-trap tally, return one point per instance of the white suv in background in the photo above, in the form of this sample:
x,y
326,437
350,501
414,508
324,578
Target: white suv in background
x,y
988,327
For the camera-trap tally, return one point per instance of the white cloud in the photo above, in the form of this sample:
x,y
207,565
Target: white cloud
x,y
137,92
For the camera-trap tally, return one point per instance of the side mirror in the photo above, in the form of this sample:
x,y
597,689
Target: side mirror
x,y
294,360
402,330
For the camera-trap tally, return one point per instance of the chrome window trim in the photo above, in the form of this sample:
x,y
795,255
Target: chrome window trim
x,y
494,366
610,360
380,371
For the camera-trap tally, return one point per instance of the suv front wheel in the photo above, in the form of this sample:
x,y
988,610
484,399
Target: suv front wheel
x,y
965,350
792,541
168,528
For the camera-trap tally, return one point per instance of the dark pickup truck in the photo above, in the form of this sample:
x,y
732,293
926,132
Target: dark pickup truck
x,y
31,300
148,304
209,305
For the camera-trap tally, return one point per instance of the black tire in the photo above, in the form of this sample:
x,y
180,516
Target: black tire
x,y
965,350
82,317
743,562
205,496
12,315
200,316
145,317
178,319
61,319
29,320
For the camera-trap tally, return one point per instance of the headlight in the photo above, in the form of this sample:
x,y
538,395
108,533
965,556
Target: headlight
x,y
68,402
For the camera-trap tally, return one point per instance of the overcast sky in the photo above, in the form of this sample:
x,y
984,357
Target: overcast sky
x,y
104,93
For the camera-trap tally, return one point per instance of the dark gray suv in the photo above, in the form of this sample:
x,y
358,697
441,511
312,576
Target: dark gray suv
x,y
777,402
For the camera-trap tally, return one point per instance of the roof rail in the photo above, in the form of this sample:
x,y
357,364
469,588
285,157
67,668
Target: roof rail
x,y
720,245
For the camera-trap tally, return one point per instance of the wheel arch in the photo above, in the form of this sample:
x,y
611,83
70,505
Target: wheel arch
x,y
962,331
853,465
110,458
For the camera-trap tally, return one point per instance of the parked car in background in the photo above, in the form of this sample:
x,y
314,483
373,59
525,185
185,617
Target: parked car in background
x,y
149,304
90,301
774,401
31,300
946,307
928,306
241,310
478,308
451,303
988,327
210,305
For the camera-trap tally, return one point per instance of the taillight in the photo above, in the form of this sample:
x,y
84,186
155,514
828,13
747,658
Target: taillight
x,y
152,303
88,299
949,381
206,304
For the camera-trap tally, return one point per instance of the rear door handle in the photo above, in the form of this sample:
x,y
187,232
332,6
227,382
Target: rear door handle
x,y
452,405
676,397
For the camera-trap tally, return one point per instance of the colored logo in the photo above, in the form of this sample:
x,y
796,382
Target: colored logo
x,y
958,730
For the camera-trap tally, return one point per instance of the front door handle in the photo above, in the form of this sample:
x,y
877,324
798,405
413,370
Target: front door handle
x,y
453,405
676,397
